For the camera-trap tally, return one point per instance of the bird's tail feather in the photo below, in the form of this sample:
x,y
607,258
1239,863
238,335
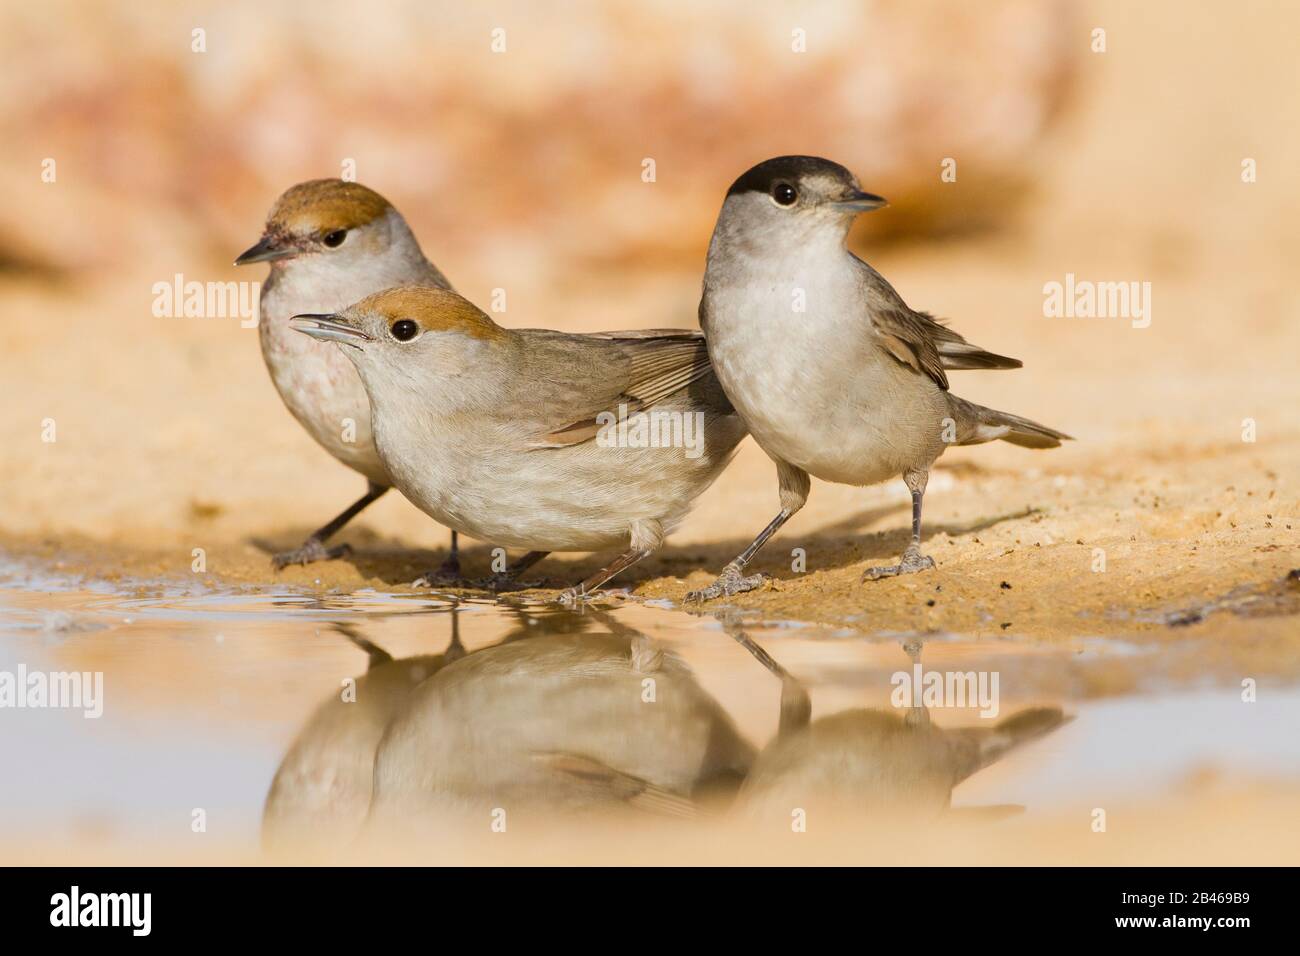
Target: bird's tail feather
x,y
978,747
977,424
963,355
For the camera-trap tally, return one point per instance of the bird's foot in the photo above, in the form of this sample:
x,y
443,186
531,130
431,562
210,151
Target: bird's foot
x,y
500,581
447,575
574,597
729,582
313,549
913,560
578,596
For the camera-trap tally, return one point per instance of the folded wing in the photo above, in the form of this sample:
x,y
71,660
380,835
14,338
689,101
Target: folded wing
x,y
918,339
637,372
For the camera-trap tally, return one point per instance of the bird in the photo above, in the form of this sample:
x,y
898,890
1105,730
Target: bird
x,y
532,438
330,242
321,791
832,372
873,765
560,724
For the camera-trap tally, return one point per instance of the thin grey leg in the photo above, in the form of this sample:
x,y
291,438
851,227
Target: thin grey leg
x,y
313,549
575,595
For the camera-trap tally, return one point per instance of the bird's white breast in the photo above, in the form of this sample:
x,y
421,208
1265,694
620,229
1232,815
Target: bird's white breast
x,y
317,382
795,351
582,498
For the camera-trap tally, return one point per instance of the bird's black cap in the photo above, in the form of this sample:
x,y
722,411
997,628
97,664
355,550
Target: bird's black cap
x,y
787,169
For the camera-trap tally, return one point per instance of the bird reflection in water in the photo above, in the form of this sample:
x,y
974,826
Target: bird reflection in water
x,y
872,765
321,791
559,724
561,720
551,720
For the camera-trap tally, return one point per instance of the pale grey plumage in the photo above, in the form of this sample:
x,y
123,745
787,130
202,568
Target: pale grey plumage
x,y
492,431
834,375
879,764
375,250
555,723
321,790
873,766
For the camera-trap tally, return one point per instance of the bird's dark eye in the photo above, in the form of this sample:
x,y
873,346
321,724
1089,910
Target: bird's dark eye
x,y
404,330
784,194
335,239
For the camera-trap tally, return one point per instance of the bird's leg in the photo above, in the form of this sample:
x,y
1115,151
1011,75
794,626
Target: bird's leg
x,y
501,581
575,595
732,579
313,549
912,560
447,574
376,654
455,649
451,566
796,705
917,715
794,486
505,580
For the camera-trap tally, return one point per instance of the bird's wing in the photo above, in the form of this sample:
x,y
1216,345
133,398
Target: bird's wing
x,y
608,784
650,334
912,338
918,339
638,373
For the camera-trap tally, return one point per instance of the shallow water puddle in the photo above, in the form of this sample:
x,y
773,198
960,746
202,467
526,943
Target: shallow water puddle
x,y
469,705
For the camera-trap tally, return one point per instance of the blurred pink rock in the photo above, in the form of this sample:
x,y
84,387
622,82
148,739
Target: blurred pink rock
x,y
165,152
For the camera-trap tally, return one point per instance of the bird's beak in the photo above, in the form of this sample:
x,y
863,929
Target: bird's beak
x,y
329,328
858,201
266,250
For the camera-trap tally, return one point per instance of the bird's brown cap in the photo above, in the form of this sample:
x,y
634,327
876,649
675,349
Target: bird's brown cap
x,y
324,205
434,310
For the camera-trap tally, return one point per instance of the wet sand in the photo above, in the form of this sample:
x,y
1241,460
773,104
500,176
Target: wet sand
x,y
170,438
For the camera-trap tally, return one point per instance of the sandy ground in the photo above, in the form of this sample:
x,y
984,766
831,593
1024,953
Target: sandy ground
x,y
170,436
171,439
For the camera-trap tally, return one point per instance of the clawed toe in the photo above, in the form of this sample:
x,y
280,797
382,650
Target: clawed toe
x,y
311,551
571,597
911,562
436,579
579,597
499,582
447,575
729,582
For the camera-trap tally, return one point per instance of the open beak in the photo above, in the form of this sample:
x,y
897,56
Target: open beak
x,y
858,201
266,250
329,328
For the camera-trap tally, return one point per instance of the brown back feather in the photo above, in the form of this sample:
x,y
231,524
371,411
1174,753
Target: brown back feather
x,y
659,366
